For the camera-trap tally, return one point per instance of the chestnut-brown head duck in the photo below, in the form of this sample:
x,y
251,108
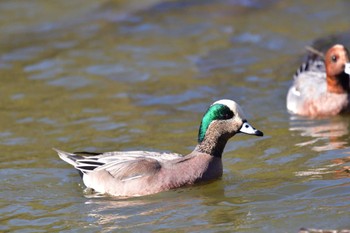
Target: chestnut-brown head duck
x,y
137,173
321,88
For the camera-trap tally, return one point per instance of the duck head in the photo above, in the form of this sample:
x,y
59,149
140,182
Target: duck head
x,y
337,69
223,119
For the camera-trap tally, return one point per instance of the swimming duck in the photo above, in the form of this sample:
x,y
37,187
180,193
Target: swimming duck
x,y
137,173
321,88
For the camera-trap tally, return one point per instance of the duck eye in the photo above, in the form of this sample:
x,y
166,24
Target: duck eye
x,y
334,59
228,115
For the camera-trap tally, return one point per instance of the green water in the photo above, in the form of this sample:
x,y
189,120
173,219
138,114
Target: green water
x,y
124,75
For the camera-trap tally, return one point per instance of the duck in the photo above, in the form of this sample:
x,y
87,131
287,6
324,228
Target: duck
x,y
139,173
321,86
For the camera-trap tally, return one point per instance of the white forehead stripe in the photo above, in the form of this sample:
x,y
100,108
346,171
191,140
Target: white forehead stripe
x,y
339,46
235,108
225,102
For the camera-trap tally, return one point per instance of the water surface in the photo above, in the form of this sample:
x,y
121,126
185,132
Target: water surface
x,y
120,75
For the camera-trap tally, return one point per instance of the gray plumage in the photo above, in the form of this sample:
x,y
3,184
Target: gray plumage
x,y
321,87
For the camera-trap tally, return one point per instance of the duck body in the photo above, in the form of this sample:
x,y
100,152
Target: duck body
x,y
309,96
321,88
138,173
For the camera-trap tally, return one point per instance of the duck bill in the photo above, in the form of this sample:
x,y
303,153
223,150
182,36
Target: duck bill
x,y
347,68
248,129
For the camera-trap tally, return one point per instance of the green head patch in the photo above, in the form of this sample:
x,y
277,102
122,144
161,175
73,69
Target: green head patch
x,y
215,112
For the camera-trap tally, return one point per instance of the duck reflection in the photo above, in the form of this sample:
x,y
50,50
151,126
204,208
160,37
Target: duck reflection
x,y
201,205
337,169
344,171
327,134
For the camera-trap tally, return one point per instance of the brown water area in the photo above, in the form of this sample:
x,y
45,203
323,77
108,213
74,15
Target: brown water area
x,y
138,75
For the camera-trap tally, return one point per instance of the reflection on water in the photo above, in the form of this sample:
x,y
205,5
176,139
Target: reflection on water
x,y
327,134
344,164
332,171
133,75
187,209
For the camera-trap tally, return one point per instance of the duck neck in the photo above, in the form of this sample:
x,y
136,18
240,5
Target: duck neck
x,y
338,84
213,144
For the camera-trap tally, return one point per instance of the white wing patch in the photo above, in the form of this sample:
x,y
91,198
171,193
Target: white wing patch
x,y
117,163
